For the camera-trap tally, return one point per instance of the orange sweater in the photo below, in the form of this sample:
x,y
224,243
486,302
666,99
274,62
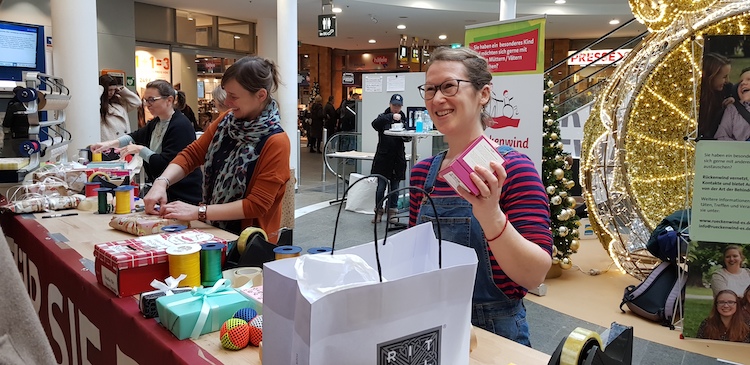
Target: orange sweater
x,y
262,203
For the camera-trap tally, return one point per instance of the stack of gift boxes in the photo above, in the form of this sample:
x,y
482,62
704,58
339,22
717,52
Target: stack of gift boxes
x,y
137,266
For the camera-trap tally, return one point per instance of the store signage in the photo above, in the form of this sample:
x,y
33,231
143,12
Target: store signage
x,y
403,53
326,25
380,60
347,78
586,57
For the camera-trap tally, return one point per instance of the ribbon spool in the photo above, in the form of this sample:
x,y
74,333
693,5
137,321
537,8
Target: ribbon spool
x,y
123,199
315,250
90,188
284,252
28,148
103,207
96,157
210,263
578,343
245,235
174,228
185,259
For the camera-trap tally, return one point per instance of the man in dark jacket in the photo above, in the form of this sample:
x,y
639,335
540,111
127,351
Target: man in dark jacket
x,y
332,118
347,123
390,157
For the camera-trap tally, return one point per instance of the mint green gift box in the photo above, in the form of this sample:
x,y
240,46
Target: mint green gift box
x,y
200,311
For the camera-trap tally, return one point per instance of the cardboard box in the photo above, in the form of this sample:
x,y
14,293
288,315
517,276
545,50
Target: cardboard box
x,y
179,313
480,153
255,295
127,267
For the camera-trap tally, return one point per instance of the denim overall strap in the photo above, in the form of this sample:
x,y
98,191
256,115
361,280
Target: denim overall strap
x,y
492,309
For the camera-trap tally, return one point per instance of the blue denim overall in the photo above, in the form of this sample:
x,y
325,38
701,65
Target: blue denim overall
x,y
492,310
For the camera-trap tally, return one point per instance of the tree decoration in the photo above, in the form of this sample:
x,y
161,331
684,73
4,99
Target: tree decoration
x,y
558,179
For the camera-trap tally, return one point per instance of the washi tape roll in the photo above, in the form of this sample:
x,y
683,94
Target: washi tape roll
x,y
210,263
315,250
284,252
174,228
578,343
245,275
244,237
185,259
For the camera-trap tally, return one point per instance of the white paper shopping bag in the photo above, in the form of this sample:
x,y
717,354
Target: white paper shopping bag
x,y
419,313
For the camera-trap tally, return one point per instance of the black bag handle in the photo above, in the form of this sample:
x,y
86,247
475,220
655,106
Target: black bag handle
x,y
375,229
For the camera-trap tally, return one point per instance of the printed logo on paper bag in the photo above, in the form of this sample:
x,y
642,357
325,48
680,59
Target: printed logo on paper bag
x,y
504,111
421,348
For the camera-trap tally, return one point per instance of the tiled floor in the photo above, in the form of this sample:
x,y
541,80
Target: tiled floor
x,y
314,227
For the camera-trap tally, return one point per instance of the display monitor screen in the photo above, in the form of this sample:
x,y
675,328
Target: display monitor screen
x,y
18,45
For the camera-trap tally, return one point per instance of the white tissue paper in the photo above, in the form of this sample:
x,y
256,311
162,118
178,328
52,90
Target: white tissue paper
x,y
322,274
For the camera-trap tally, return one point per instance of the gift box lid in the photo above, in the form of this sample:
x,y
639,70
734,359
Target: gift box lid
x,y
147,250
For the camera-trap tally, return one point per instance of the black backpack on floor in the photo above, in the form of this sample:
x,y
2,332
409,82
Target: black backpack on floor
x,y
657,297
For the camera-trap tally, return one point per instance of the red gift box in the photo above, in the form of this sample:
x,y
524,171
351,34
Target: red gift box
x,y
127,267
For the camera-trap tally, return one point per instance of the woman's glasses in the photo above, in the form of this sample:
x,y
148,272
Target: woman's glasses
x,y
151,100
727,303
448,88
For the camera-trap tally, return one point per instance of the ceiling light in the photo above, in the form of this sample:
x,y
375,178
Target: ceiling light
x,y
371,41
442,37
400,26
236,37
190,16
559,1
614,22
336,10
374,20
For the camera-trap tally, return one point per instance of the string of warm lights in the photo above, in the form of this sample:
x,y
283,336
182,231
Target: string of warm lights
x,y
637,158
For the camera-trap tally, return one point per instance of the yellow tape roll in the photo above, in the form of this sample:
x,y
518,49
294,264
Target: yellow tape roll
x,y
104,176
245,237
578,341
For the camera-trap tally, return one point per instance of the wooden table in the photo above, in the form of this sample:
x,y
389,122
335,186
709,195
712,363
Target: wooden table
x,y
85,322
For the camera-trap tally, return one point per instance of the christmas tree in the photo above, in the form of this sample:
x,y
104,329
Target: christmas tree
x,y
558,178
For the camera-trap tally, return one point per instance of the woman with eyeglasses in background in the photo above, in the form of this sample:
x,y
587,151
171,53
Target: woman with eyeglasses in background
x,y
115,103
507,224
725,322
161,139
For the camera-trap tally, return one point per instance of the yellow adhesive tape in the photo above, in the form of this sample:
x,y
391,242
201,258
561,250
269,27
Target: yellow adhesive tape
x,y
245,237
578,341
100,174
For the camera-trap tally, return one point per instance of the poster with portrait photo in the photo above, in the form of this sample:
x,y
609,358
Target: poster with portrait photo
x,y
724,59
717,300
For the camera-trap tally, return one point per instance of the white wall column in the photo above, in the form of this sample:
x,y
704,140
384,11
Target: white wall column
x,y
268,43
75,57
507,9
286,29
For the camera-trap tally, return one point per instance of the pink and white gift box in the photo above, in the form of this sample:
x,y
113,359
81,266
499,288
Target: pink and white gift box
x,y
479,153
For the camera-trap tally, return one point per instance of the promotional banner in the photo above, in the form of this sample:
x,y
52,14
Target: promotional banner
x,y
515,52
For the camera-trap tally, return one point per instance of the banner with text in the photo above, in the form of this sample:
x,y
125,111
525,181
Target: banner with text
x,y
515,52
721,192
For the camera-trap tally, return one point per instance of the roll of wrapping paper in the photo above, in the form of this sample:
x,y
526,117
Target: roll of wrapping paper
x,y
122,200
210,263
284,252
185,259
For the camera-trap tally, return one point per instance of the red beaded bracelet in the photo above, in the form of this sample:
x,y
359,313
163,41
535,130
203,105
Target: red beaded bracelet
x,y
501,231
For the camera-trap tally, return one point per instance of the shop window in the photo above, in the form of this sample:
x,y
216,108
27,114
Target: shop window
x,y
193,28
236,35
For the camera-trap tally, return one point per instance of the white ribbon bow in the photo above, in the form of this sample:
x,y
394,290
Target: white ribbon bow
x,y
168,284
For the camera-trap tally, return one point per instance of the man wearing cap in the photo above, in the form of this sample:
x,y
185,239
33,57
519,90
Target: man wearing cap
x,y
390,157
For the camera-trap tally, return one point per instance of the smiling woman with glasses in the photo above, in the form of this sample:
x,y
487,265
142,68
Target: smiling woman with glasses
x,y
161,139
725,322
507,224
